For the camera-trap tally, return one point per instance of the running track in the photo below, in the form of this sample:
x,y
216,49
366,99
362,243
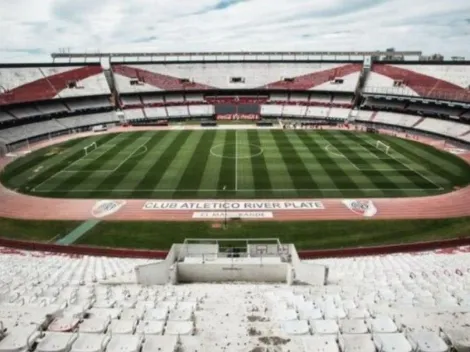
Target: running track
x,y
15,205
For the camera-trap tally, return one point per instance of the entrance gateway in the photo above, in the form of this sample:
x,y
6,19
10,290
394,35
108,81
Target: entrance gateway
x,y
232,260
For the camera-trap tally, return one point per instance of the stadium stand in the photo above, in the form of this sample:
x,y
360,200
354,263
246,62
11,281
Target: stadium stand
x,y
138,77
201,110
43,82
156,112
447,82
134,114
404,302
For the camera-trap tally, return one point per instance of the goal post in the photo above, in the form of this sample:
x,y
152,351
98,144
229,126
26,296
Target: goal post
x,y
382,147
89,148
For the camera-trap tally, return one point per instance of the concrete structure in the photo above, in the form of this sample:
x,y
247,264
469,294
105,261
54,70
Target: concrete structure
x,y
232,260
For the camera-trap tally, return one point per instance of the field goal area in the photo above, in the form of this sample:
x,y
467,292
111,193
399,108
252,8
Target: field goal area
x,y
382,156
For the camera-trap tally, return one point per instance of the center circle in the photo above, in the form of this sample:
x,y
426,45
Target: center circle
x,y
236,150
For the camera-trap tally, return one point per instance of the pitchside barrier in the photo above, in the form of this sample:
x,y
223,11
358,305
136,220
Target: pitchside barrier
x,y
232,260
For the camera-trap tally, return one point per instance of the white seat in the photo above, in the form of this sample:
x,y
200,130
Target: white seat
x,y
179,328
150,327
356,343
382,324
112,313
311,314
122,326
90,343
320,343
459,338
426,341
94,325
395,342
19,339
285,314
56,342
353,326
180,315
63,324
160,344
321,327
156,314
295,327
124,343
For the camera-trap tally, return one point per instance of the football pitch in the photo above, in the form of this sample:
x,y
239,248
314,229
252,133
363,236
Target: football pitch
x,y
231,164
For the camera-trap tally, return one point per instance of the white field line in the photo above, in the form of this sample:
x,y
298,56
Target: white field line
x,y
120,164
241,190
438,187
64,170
338,153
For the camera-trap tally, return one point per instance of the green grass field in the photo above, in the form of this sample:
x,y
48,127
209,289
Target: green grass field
x,y
248,163
305,234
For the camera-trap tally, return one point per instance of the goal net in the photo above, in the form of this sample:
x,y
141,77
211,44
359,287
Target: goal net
x,y
382,147
89,148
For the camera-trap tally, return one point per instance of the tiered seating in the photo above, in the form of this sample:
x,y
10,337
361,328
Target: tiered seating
x,y
13,134
449,82
153,99
26,84
271,110
134,114
156,112
172,99
177,111
238,75
24,112
378,303
52,107
446,128
338,113
194,98
89,104
88,120
201,110
389,118
314,111
294,110
131,100
5,116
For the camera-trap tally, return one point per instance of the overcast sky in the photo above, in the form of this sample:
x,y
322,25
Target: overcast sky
x,y
31,29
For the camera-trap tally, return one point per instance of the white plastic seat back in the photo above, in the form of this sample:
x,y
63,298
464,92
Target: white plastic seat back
x,y
90,343
295,327
320,343
427,341
179,328
56,342
160,344
395,342
124,343
150,327
356,343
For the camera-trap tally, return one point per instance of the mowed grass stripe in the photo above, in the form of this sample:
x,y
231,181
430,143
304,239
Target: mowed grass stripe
x,y
331,166
210,179
450,169
155,172
72,181
56,168
261,179
409,174
226,173
375,178
34,160
298,172
106,187
193,172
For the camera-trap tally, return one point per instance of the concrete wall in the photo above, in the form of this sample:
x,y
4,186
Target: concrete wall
x,y
226,273
312,274
158,273
195,249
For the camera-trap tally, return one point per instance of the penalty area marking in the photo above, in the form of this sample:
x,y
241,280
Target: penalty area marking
x,y
36,189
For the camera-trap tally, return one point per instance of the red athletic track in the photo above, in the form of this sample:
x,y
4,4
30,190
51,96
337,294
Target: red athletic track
x,y
14,205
